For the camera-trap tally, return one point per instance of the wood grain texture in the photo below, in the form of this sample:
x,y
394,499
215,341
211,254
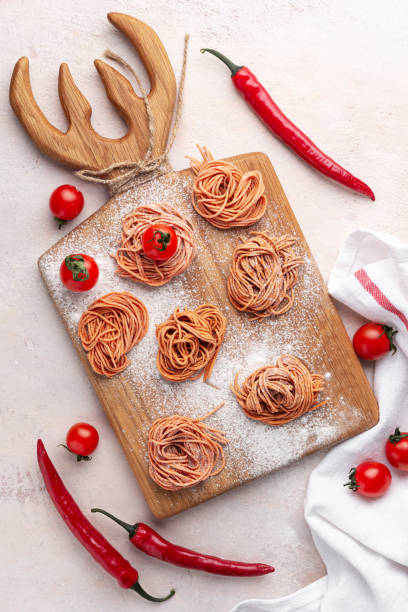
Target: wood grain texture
x,y
81,147
132,405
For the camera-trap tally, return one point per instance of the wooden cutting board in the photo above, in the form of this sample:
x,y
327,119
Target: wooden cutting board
x,y
311,330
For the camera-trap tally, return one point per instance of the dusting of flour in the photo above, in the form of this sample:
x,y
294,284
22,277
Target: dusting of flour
x,y
254,448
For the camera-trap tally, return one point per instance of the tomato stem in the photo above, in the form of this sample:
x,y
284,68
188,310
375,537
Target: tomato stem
x,y
352,483
61,222
163,240
83,457
79,457
76,263
397,436
390,333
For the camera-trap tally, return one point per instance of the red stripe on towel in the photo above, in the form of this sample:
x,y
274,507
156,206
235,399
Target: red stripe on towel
x,y
381,299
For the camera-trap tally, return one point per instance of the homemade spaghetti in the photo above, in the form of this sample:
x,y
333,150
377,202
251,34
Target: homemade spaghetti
x,y
111,326
277,394
134,264
225,196
184,451
189,342
263,273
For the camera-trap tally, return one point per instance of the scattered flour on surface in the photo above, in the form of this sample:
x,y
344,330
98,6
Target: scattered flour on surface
x,y
254,448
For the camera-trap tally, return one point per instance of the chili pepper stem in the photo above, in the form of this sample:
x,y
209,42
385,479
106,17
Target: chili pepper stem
x,y
131,529
136,587
233,67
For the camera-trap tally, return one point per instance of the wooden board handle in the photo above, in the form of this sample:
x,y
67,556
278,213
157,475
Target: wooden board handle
x,y
80,146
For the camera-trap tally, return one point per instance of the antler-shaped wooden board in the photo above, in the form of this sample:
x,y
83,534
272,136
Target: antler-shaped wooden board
x,y
311,330
82,147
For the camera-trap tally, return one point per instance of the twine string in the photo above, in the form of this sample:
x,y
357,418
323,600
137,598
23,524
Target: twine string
x,y
148,168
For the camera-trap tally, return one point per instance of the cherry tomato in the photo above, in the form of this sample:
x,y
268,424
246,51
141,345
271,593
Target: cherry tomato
x,y
369,479
79,272
66,202
82,440
396,449
159,242
373,340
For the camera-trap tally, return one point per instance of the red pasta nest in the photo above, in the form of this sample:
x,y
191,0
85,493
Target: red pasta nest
x,y
263,273
184,451
134,264
189,342
111,326
277,394
225,196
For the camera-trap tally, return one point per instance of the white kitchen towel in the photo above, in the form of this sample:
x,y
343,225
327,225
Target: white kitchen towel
x,y
364,543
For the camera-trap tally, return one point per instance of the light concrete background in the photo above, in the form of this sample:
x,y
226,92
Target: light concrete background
x,y
339,70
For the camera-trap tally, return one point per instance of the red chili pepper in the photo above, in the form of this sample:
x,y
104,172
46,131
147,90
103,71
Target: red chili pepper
x,y
150,542
257,97
94,542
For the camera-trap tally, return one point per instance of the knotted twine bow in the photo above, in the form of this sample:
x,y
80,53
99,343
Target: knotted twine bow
x,y
148,168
